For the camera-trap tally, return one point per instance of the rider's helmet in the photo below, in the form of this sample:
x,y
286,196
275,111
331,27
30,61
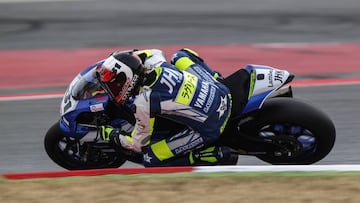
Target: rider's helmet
x,y
121,75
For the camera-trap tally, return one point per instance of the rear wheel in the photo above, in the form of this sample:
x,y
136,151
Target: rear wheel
x,y
304,134
74,154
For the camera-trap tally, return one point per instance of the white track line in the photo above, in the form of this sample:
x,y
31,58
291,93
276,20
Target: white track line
x,y
282,168
31,97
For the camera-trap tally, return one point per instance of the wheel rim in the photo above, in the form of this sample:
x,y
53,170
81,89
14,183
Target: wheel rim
x,y
305,137
84,155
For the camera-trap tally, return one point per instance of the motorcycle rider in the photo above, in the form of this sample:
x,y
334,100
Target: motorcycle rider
x,y
185,90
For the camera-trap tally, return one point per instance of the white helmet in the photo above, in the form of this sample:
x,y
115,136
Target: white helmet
x,y
121,75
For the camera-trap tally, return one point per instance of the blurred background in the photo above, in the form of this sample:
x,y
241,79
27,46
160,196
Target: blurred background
x,y
39,24
44,43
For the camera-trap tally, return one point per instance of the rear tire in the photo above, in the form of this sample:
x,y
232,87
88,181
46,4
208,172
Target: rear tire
x,y
291,112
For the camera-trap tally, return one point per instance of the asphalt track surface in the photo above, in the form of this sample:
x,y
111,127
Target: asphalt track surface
x,y
87,24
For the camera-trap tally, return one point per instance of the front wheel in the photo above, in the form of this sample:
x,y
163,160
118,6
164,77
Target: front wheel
x,y
74,154
306,134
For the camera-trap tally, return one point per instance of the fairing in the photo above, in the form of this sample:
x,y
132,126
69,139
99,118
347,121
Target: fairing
x,y
264,81
84,95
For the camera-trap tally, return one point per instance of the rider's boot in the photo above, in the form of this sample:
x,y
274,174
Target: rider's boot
x,y
186,52
213,156
186,58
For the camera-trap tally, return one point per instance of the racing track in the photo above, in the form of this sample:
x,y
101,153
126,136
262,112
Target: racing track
x,y
84,24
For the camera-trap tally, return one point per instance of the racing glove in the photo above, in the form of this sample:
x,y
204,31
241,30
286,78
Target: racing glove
x,y
110,134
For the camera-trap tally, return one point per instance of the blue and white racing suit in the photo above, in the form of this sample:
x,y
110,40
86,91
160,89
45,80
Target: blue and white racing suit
x,y
184,91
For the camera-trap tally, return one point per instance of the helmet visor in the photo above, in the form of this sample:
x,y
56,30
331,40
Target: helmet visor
x,y
117,87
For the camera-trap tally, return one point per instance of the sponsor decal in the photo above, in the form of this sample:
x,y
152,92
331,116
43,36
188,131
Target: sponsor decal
x,y
210,100
222,107
128,88
204,95
277,76
201,98
147,158
170,79
189,146
187,143
270,78
97,107
187,89
201,73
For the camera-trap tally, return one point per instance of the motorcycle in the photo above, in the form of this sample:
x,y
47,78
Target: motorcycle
x,y
266,122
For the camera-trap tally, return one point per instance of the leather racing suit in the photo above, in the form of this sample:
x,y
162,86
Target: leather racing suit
x,y
185,91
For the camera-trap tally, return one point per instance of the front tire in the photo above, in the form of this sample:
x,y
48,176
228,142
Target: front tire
x,y
72,154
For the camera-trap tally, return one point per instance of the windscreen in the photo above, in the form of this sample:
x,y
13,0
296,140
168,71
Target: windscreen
x,y
87,86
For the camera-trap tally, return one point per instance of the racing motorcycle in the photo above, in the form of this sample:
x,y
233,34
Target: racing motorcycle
x,y
266,122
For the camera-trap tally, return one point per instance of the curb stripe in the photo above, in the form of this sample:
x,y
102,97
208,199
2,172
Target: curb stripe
x,y
97,172
186,169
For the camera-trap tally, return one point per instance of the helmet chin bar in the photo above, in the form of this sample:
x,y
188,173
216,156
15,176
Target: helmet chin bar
x,y
128,94
106,88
